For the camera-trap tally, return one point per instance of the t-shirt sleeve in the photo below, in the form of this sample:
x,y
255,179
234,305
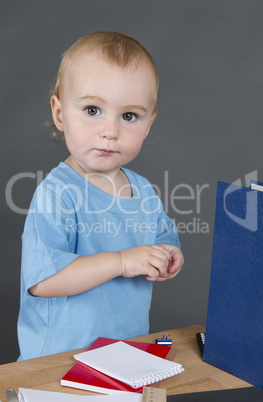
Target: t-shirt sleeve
x,y
47,247
167,232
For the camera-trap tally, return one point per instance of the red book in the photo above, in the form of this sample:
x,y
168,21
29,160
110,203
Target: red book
x,y
85,377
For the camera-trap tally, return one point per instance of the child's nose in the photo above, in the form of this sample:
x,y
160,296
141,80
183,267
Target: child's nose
x,y
110,130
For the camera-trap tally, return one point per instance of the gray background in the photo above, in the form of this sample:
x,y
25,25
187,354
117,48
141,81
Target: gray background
x,y
210,59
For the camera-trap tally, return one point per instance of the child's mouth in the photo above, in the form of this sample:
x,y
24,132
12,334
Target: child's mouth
x,y
105,151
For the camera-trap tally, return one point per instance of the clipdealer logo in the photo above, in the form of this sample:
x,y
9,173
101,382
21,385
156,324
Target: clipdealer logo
x,y
182,202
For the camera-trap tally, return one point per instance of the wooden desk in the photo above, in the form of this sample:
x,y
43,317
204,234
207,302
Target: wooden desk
x,y
44,373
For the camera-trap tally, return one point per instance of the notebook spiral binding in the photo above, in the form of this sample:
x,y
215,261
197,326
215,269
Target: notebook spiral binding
x,y
159,376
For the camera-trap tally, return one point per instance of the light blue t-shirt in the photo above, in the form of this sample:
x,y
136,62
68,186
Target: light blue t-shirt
x,y
68,218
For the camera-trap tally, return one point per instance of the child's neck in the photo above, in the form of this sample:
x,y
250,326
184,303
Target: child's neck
x,y
116,184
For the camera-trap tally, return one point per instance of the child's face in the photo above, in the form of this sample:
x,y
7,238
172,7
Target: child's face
x,y
105,112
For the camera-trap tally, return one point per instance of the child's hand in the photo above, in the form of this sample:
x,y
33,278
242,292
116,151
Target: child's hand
x,y
175,264
156,262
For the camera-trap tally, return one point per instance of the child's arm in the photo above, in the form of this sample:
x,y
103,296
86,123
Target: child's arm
x,y
87,272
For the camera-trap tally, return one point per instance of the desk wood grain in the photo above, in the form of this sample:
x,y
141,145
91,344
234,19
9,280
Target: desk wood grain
x,y
44,373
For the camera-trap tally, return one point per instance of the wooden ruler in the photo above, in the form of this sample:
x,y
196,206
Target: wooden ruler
x,y
153,395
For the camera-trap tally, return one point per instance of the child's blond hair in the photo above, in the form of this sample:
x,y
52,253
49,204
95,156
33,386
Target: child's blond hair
x,y
116,48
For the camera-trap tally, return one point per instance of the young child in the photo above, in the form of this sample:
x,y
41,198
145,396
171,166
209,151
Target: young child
x,y
96,235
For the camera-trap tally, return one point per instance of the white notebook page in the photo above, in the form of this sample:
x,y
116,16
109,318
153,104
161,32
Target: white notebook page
x,y
32,395
128,364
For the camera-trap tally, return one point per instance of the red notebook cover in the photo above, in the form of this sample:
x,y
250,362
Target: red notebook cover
x,y
84,377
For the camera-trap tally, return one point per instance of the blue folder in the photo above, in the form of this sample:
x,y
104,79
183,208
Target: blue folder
x,y
234,328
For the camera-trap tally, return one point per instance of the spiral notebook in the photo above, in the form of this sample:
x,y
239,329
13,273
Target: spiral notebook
x,y
129,365
85,377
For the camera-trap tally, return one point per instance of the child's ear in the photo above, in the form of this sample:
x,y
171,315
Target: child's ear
x,y
151,122
56,108
153,117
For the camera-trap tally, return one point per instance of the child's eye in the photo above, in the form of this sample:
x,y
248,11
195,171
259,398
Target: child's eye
x,y
129,116
92,110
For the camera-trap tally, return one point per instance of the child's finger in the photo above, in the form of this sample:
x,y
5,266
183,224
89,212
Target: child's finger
x,y
152,274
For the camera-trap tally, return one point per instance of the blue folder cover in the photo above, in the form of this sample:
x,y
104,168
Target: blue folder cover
x,y
234,328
